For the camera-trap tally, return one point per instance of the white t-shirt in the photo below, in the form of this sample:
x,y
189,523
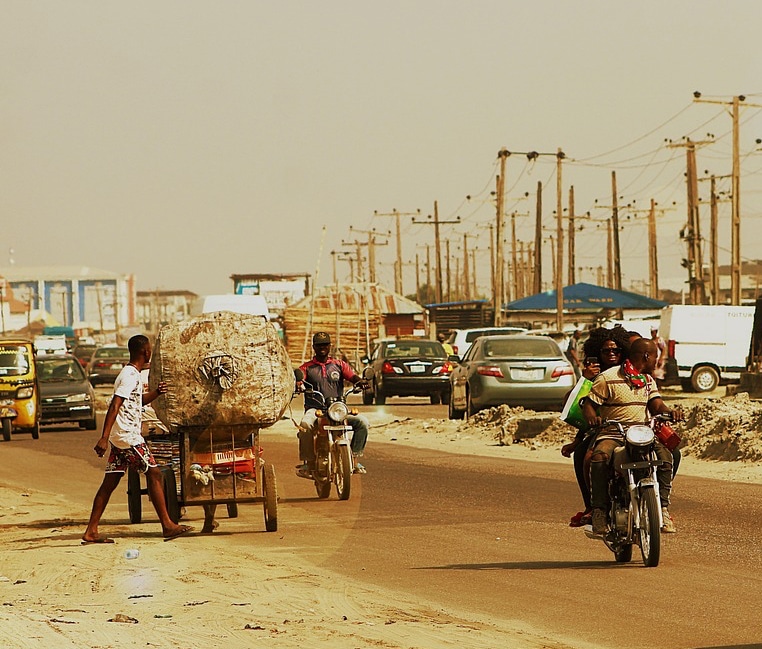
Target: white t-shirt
x,y
126,429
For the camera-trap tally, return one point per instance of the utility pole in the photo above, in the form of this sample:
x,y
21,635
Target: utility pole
x,y
559,245
537,285
398,264
571,279
436,223
466,284
714,271
735,232
653,257
499,277
371,244
447,270
691,233
615,226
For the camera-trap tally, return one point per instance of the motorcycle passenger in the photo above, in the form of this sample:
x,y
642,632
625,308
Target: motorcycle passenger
x,y
602,350
327,375
627,394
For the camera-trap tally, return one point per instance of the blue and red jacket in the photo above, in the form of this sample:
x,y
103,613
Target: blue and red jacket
x,y
327,378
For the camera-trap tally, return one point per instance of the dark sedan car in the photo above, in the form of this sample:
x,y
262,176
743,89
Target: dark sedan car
x,y
516,370
84,353
106,363
409,368
65,393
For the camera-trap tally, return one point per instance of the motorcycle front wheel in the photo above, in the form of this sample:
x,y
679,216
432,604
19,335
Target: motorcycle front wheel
x,y
650,533
343,473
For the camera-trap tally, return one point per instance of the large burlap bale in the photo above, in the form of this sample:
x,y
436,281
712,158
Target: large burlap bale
x,y
221,368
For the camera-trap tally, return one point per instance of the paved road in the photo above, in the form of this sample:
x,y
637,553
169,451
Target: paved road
x,y
490,535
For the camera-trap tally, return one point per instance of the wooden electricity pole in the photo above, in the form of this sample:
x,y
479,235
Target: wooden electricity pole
x,y
559,245
537,285
437,246
398,265
615,227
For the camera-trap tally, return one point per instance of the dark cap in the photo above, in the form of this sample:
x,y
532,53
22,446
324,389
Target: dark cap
x,y
321,338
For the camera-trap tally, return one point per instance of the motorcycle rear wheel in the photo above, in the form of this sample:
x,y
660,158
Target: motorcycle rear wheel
x,y
650,533
343,473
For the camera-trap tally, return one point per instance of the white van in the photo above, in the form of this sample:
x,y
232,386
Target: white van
x,y
705,344
50,344
246,304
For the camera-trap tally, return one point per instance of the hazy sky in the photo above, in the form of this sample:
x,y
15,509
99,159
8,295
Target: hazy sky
x,y
187,141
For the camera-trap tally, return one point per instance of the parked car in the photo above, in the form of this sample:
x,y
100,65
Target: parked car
x,y
516,370
65,393
106,363
461,339
84,353
409,368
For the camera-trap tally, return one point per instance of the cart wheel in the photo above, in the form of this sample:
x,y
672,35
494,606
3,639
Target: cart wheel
x,y
170,494
134,503
232,510
35,430
270,491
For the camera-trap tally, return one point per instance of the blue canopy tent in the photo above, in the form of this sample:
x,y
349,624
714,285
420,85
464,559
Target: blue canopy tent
x,y
585,296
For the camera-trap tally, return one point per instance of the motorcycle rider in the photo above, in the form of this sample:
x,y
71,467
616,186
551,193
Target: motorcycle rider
x,y
627,394
327,375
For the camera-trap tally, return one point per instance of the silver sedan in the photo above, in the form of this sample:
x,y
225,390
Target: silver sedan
x,y
516,370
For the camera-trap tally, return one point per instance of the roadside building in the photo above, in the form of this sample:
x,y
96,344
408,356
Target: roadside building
x,y
158,308
280,290
81,297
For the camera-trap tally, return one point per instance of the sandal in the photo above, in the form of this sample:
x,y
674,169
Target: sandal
x,y
580,519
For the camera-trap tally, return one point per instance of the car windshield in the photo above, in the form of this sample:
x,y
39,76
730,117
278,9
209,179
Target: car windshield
x,y
83,351
414,349
522,348
14,360
60,369
112,352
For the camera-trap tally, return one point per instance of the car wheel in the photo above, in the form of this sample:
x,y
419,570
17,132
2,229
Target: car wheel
x,y
380,397
435,398
471,410
89,424
452,411
705,379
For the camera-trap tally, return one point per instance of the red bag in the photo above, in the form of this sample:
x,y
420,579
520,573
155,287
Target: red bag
x,y
667,435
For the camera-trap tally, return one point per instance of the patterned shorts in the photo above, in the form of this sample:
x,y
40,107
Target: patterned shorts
x,y
137,457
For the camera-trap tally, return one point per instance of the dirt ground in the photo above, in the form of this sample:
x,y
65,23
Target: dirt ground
x,y
56,593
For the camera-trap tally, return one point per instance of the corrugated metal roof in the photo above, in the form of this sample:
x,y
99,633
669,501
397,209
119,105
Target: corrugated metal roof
x,y
351,297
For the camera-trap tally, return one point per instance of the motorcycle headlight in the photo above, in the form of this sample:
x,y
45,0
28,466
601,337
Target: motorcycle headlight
x,y
76,398
25,393
640,435
338,411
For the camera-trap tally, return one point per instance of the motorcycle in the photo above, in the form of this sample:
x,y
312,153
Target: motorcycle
x,y
635,515
333,456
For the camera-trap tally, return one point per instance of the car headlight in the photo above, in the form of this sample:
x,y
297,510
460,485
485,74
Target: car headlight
x,y
76,398
640,435
338,411
25,393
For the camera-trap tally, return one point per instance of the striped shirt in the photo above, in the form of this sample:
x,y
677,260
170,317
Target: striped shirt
x,y
616,399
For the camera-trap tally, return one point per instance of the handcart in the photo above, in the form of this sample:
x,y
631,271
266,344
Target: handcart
x,y
209,466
